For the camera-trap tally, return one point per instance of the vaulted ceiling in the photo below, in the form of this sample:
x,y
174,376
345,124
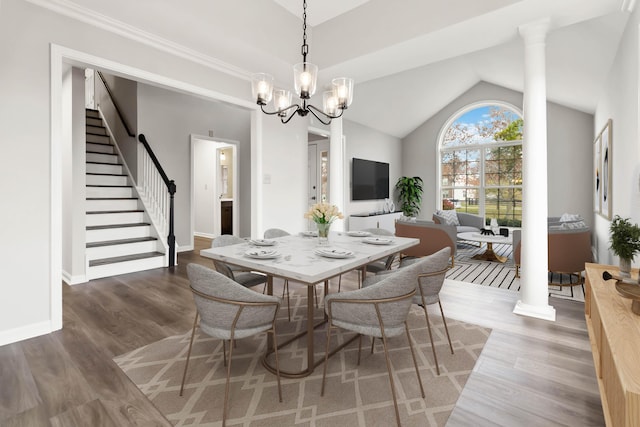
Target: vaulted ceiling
x,y
409,57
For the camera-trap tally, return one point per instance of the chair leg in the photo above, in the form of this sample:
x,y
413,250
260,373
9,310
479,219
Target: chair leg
x,y
315,294
275,349
373,341
445,326
433,347
393,387
339,282
359,347
326,359
186,365
224,352
286,287
413,355
226,387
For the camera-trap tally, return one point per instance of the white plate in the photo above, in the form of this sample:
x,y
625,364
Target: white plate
x,y
263,242
377,241
262,253
334,253
358,233
309,233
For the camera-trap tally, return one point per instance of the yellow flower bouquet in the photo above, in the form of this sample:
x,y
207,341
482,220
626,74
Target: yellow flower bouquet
x,y
323,214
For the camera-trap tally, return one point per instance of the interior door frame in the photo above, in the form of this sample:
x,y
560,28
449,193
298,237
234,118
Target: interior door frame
x,y
218,143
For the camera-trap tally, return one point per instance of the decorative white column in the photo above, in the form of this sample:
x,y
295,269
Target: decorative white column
x,y
336,171
534,291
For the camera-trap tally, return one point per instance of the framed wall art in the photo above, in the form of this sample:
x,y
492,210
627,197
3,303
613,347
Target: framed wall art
x,y
603,171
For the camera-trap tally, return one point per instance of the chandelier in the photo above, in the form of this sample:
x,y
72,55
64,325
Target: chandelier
x,y
305,74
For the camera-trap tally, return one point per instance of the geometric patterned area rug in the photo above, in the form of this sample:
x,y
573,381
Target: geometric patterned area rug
x,y
354,395
501,275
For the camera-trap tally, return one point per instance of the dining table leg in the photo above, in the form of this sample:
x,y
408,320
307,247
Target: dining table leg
x,y
310,329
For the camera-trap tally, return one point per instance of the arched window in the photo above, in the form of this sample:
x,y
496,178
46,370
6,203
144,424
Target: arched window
x,y
481,163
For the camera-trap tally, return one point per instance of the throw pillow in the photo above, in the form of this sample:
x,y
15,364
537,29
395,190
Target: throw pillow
x,y
566,217
450,217
573,225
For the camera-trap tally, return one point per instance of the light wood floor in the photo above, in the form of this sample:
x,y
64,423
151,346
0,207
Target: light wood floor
x,y
531,372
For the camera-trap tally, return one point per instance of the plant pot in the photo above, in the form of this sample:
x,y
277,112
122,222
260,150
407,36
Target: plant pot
x,y
625,267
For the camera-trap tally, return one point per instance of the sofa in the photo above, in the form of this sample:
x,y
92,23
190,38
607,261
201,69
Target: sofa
x,y
433,237
569,243
464,222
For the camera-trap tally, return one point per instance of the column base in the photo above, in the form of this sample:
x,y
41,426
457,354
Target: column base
x,y
545,312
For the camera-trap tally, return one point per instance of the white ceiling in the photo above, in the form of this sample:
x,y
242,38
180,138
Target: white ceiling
x,y
409,57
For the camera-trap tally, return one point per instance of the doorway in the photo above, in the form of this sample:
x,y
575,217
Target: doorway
x,y
214,199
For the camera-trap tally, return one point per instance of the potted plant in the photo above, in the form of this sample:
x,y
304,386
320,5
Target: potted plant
x,y
624,242
410,195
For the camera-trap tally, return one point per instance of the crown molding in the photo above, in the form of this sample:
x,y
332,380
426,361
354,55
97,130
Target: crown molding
x,y
79,13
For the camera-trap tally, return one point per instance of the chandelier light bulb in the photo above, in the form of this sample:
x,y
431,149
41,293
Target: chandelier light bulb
x,y
262,87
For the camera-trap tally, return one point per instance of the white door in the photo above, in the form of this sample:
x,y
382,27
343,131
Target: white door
x,y
318,171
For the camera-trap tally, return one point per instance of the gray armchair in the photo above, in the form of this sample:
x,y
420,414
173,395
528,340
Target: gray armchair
x,y
229,311
379,310
433,270
238,274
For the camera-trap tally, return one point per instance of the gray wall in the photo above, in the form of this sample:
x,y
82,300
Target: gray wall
x,y
569,145
125,93
365,143
168,119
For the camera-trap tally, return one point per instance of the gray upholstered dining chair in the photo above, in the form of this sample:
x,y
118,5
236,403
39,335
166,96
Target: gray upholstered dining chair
x,y
433,269
273,233
379,310
376,266
228,311
241,275
385,264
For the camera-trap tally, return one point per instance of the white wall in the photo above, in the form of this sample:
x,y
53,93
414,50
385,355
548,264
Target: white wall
x,y
167,119
204,190
284,179
365,143
28,306
73,176
569,145
619,102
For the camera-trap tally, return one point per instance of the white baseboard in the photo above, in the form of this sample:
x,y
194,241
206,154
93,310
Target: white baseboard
x,y
185,248
546,312
207,235
73,280
25,332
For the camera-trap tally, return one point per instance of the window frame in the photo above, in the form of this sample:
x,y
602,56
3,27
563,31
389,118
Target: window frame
x,y
482,147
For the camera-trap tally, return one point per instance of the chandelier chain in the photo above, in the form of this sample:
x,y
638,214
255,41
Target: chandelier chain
x,y
305,46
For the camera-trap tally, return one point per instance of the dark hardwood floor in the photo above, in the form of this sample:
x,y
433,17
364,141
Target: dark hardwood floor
x,y
530,373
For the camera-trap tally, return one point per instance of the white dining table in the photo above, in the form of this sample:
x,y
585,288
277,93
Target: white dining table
x,y
298,261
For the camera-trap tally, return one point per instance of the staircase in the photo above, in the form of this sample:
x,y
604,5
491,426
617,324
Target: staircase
x,y
119,236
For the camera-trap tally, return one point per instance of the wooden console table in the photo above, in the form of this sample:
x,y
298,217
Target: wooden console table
x,y
614,331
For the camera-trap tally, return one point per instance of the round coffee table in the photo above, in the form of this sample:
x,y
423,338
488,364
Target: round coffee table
x,y
489,254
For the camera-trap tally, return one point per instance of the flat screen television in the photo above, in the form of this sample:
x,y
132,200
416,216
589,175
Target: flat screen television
x,y
369,180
